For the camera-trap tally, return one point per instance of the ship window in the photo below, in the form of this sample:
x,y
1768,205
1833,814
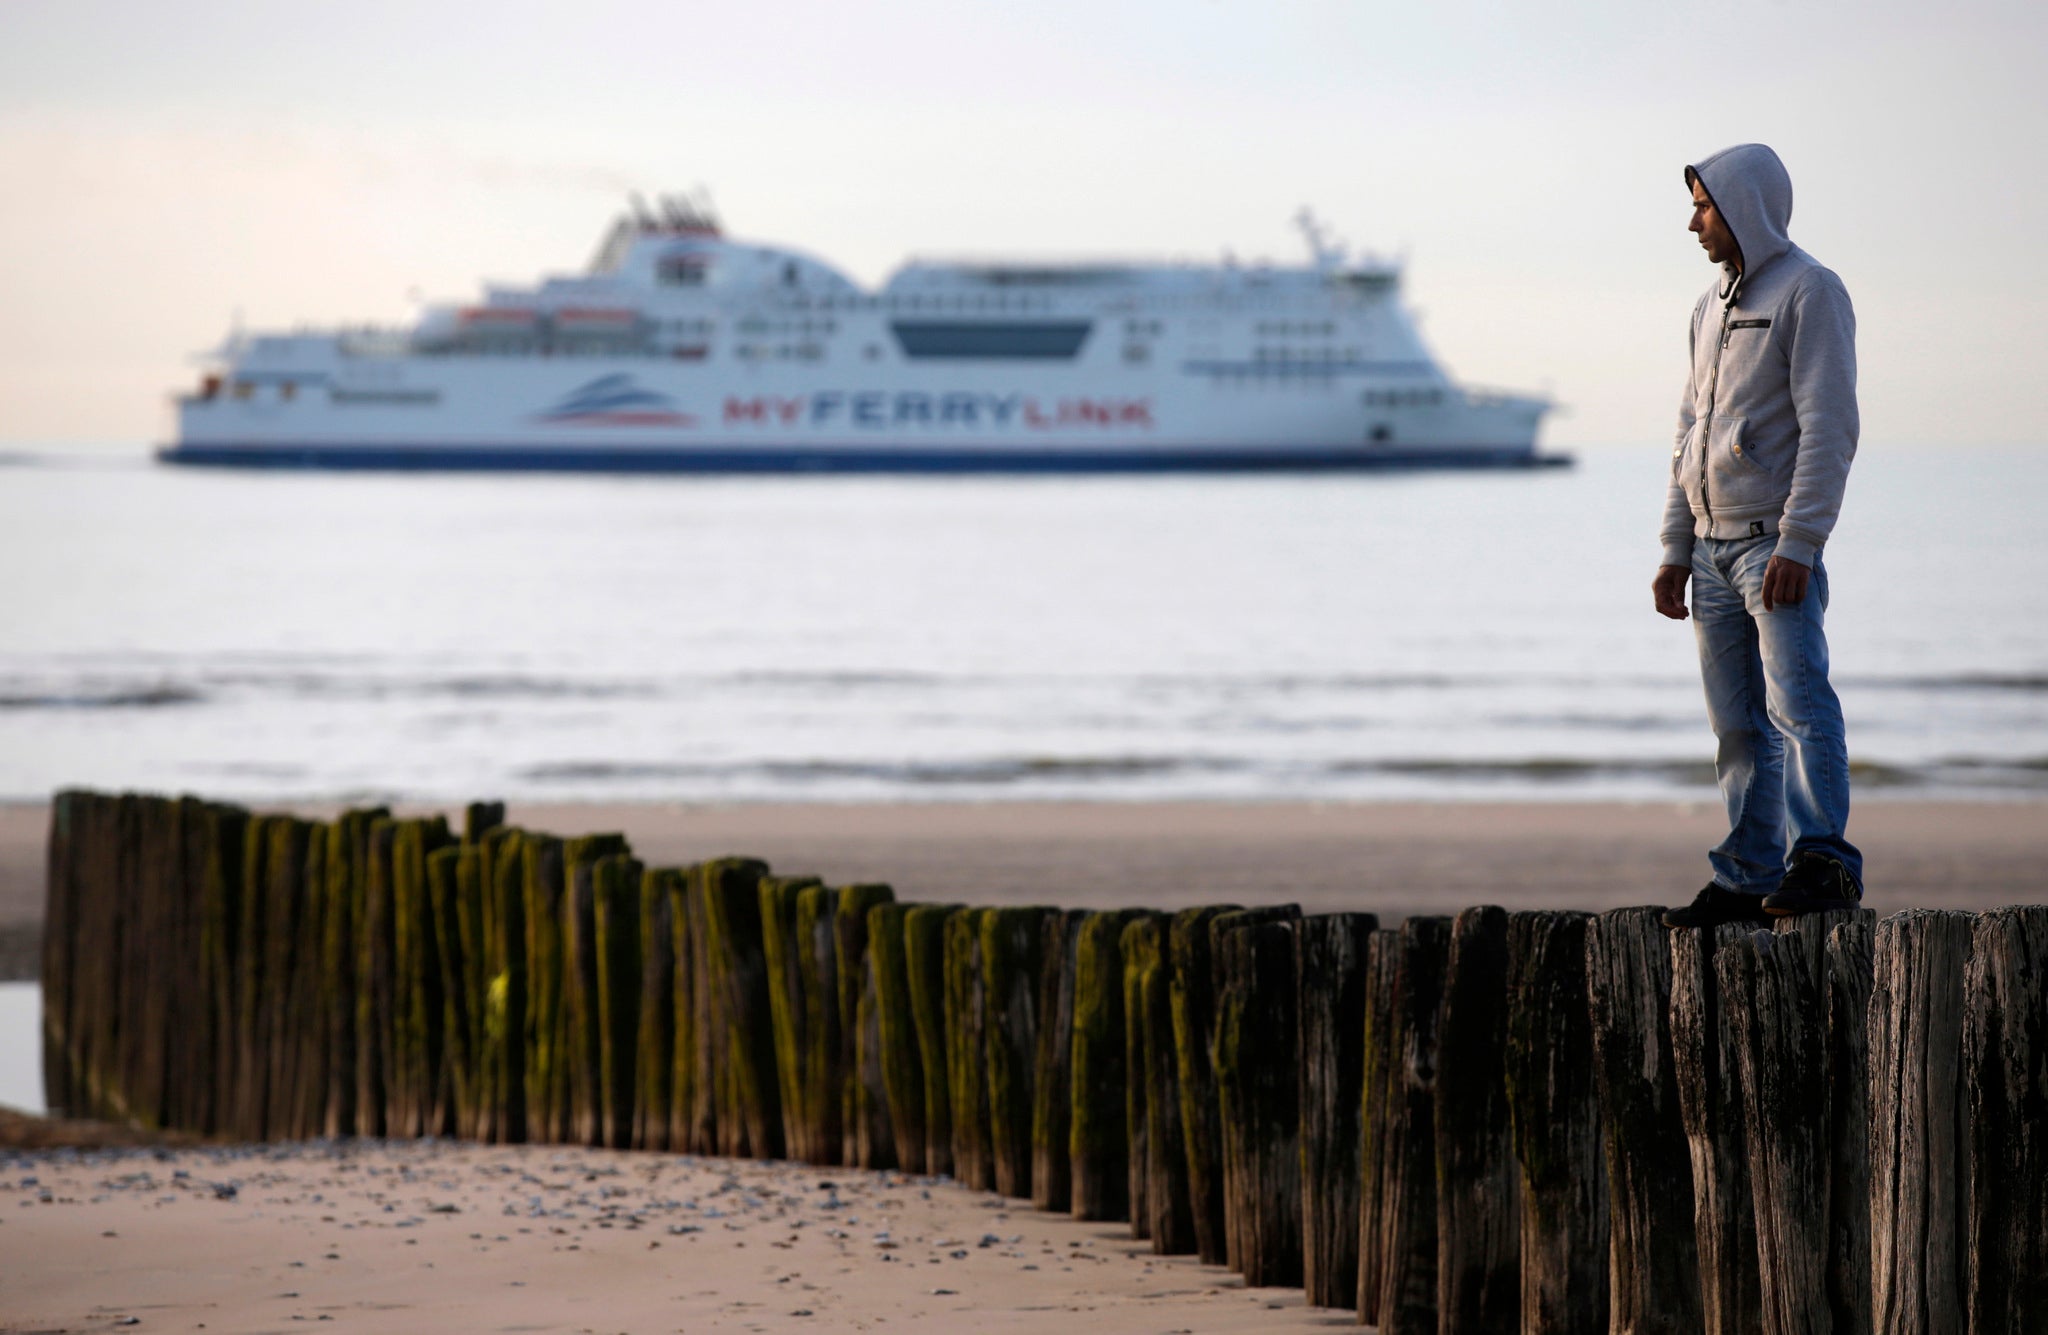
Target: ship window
x,y
1382,433
960,340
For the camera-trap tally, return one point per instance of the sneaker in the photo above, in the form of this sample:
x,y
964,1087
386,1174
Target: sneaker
x,y
1714,905
1815,883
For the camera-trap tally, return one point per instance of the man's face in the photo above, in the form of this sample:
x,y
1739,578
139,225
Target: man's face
x,y
1707,224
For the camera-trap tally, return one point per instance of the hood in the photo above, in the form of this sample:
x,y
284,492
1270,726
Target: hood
x,y
1753,192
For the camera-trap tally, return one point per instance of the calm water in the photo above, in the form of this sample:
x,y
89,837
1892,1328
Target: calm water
x,y
271,636
21,1046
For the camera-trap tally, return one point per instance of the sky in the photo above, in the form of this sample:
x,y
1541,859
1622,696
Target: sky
x,y
168,170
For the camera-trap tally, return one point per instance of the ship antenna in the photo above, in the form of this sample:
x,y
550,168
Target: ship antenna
x,y
1326,253
640,212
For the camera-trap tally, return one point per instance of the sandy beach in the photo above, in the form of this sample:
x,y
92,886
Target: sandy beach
x,y
432,1237
1393,858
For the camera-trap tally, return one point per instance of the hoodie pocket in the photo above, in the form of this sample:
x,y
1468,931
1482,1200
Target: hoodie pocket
x,y
1736,481
1685,465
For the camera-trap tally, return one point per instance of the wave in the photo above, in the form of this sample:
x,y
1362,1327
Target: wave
x,y
87,696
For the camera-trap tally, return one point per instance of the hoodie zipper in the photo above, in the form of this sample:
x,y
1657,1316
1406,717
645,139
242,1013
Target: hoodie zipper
x,y
1713,392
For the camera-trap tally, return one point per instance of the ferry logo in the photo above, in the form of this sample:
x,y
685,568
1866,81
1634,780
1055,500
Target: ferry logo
x,y
614,400
876,410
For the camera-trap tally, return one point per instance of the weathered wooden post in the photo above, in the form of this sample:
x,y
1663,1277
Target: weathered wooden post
x,y
870,1142
924,963
1919,1132
1653,1270
1257,1076
1707,1074
690,1111
1193,997
348,858
71,819
620,967
895,1034
375,985
578,1034
2005,1055
782,950
448,1101
1160,1206
1011,939
413,1102
966,1016
1052,1101
1329,964
1376,1117
455,880
1099,1145
1408,1285
749,1118
825,1070
1846,978
1478,1207
655,1107
543,891
1557,1124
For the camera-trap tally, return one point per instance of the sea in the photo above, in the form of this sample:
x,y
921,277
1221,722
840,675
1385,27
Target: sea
x,y
309,636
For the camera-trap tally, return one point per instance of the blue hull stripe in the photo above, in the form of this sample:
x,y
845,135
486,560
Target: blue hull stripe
x,y
802,459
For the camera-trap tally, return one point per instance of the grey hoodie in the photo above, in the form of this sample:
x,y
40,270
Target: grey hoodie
x,y
1767,429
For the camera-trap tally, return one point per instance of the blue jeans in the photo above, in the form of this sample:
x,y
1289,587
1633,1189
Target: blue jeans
x,y
1783,759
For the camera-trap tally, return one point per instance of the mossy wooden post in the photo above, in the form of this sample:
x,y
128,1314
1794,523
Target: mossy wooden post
x,y
414,1103
455,1085
1011,942
580,1027
867,1140
1052,1092
2005,1063
184,1042
479,819
895,1035
506,1000
706,1028
1557,1124
1653,1267
375,985
1099,1142
541,862
1408,1283
1137,1121
619,970
687,1100
96,927
656,1063
824,1073
253,1002
220,913
1708,1079
783,953
1194,1038
924,963
750,1112
348,858
465,960
1151,1049
1919,1132
966,1007
1257,1073
1329,966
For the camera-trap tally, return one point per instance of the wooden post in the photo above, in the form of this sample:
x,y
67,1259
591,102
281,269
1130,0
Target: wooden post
x,y
506,1001
1846,979
1653,1261
2006,1072
1137,1121
1708,1077
688,1104
781,949
541,863
966,1009
825,1061
412,1098
1099,1144
1408,1286
1919,1132
1376,1119
458,930
870,1142
1193,998
1329,962
924,962
620,967
375,984
71,820
1011,939
1257,1076
1154,1064
895,1030
1478,1208
1232,1156
655,1110
1557,1124
1052,1102
749,1116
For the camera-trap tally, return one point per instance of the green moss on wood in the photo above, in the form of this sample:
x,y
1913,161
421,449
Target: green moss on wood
x,y
1098,1138
866,1138
544,891
783,950
749,1112
1012,941
895,1030
619,977
966,1047
924,954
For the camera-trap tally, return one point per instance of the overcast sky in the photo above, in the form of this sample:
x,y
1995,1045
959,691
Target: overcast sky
x,y
166,166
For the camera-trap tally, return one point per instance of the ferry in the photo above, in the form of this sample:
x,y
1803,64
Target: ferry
x,y
681,350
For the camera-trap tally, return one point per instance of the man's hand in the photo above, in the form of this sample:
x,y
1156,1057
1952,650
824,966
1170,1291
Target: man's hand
x,y
1668,589
1784,583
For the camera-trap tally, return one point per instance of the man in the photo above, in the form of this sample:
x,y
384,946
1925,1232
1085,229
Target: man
x,y
1766,434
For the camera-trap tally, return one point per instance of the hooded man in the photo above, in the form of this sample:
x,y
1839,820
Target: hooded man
x,y
1766,433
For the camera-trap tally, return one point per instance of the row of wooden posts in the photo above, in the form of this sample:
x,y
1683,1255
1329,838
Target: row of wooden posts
x,y
1540,1121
